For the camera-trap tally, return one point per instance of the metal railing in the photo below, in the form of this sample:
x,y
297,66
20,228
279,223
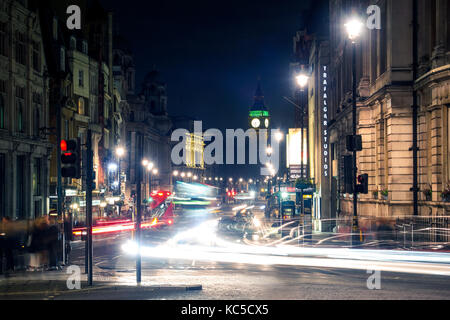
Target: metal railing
x,y
407,232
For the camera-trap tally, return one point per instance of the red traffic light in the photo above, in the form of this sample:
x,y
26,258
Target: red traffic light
x,y
68,145
63,145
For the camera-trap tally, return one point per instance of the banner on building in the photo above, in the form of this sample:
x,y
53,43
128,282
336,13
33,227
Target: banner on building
x,y
297,153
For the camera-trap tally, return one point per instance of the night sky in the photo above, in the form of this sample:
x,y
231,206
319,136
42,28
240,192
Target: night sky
x,y
211,53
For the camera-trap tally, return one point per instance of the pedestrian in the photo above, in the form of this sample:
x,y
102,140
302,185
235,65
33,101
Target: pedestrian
x,y
68,237
36,244
6,245
52,242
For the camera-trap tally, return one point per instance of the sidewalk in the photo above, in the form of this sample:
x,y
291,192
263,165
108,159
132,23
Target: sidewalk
x,y
48,285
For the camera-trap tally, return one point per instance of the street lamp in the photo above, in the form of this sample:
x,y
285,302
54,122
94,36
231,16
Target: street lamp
x,y
302,80
120,152
279,136
354,28
112,167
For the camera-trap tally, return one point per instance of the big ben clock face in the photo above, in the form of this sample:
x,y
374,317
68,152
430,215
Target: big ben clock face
x,y
266,123
256,123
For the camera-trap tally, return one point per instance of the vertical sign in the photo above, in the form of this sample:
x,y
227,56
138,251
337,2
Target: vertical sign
x,y
325,138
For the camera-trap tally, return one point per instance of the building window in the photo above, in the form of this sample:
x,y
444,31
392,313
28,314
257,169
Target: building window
x,y
448,144
383,40
433,36
84,47
62,60
81,78
2,185
36,56
20,109
130,81
3,40
73,43
36,114
2,111
37,177
2,104
21,53
37,122
94,84
55,28
66,129
373,56
20,187
81,108
20,116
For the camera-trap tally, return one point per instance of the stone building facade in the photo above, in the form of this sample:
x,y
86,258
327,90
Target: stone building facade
x,y
385,98
148,118
24,145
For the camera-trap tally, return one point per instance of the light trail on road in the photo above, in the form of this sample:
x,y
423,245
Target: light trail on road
x,y
206,246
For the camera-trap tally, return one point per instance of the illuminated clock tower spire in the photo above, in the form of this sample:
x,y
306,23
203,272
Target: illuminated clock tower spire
x,y
259,117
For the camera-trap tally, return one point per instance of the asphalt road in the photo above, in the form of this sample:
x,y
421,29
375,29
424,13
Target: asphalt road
x,y
252,280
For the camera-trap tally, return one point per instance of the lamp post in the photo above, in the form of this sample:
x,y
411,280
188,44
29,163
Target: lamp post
x,y
269,152
302,82
149,170
120,152
269,179
175,174
279,136
354,28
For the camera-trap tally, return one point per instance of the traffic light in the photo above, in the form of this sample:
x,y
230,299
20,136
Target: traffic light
x,y
348,174
363,186
70,159
354,143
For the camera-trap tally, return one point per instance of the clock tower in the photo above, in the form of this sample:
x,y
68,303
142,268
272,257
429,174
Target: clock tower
x,y
259,117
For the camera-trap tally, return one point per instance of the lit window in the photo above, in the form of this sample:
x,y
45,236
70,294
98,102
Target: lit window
x,y
81,108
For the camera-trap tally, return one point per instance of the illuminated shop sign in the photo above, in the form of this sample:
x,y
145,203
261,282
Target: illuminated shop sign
x,y
325,138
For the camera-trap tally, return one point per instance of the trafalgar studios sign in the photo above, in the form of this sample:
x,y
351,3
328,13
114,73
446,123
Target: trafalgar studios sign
x,y
325,133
